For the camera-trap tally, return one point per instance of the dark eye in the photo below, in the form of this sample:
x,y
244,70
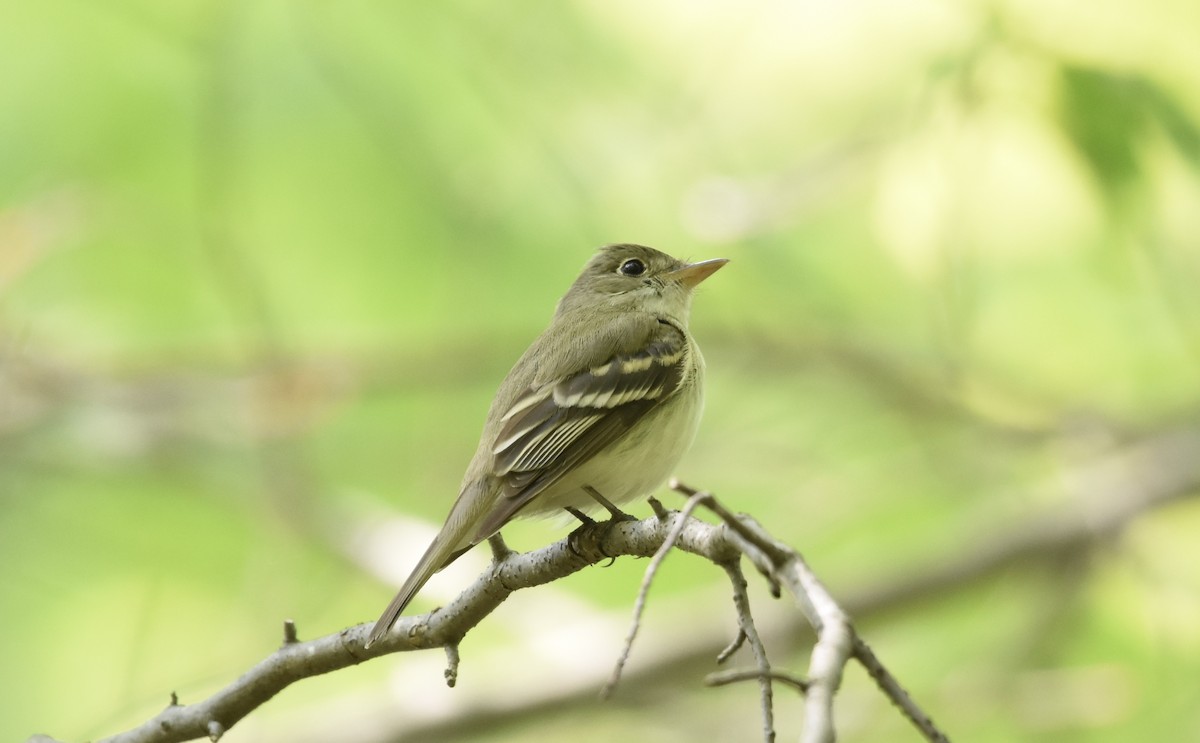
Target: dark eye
x,y
633,267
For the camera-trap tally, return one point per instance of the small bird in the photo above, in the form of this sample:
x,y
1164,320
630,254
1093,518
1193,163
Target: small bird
x,y
598,410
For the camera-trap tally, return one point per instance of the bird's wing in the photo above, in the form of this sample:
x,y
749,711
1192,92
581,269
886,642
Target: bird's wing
x,y
553,428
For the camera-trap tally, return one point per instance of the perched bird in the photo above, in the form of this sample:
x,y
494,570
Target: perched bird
x,y
597,411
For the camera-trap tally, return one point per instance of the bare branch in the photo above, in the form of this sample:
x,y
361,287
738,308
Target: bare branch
x,y
723,678
639,606
891,687
440,628
452,660
733,647
721,544
1125,483
746,628
289,632
836,638
1150,474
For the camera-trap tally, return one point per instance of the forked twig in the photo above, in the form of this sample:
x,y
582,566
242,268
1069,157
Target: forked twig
x,y
837,640
741,603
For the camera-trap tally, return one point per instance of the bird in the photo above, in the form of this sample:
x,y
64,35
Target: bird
x,y
598,410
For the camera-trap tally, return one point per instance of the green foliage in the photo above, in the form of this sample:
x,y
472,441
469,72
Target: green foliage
x,y
1109,117
263,264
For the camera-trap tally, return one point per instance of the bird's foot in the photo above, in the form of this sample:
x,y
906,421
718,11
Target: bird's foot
x,y
587,541
615,514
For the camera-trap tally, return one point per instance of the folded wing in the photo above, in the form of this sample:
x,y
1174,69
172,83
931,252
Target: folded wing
x,y
552,429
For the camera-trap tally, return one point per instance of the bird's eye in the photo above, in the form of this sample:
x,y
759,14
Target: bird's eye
x,y
633,267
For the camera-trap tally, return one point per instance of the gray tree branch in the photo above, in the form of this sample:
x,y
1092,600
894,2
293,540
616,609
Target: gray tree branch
x,y
444,627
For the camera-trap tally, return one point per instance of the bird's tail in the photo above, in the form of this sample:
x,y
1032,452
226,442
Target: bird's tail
x,y
454,539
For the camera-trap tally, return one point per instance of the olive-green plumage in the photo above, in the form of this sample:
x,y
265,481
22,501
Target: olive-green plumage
x,y
607,398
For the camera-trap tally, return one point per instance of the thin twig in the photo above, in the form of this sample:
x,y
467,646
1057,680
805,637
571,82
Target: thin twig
x,y
891,687
723,678
289,632
656,505
639,606
452,658
732,647
837,641
770,547
741,603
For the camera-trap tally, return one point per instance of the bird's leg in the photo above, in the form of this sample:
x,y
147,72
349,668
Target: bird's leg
x,y
584,519
587,525
585,522
659,510
500,550
615,513
616,516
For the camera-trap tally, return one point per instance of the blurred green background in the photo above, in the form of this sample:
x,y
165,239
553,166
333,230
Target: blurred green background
x,y
263,263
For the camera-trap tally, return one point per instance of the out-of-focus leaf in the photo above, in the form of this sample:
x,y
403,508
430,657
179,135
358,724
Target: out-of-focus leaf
x,y
1105,116
1173,118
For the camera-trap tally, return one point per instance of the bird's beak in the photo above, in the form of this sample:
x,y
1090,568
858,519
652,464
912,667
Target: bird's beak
x,y
693,273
